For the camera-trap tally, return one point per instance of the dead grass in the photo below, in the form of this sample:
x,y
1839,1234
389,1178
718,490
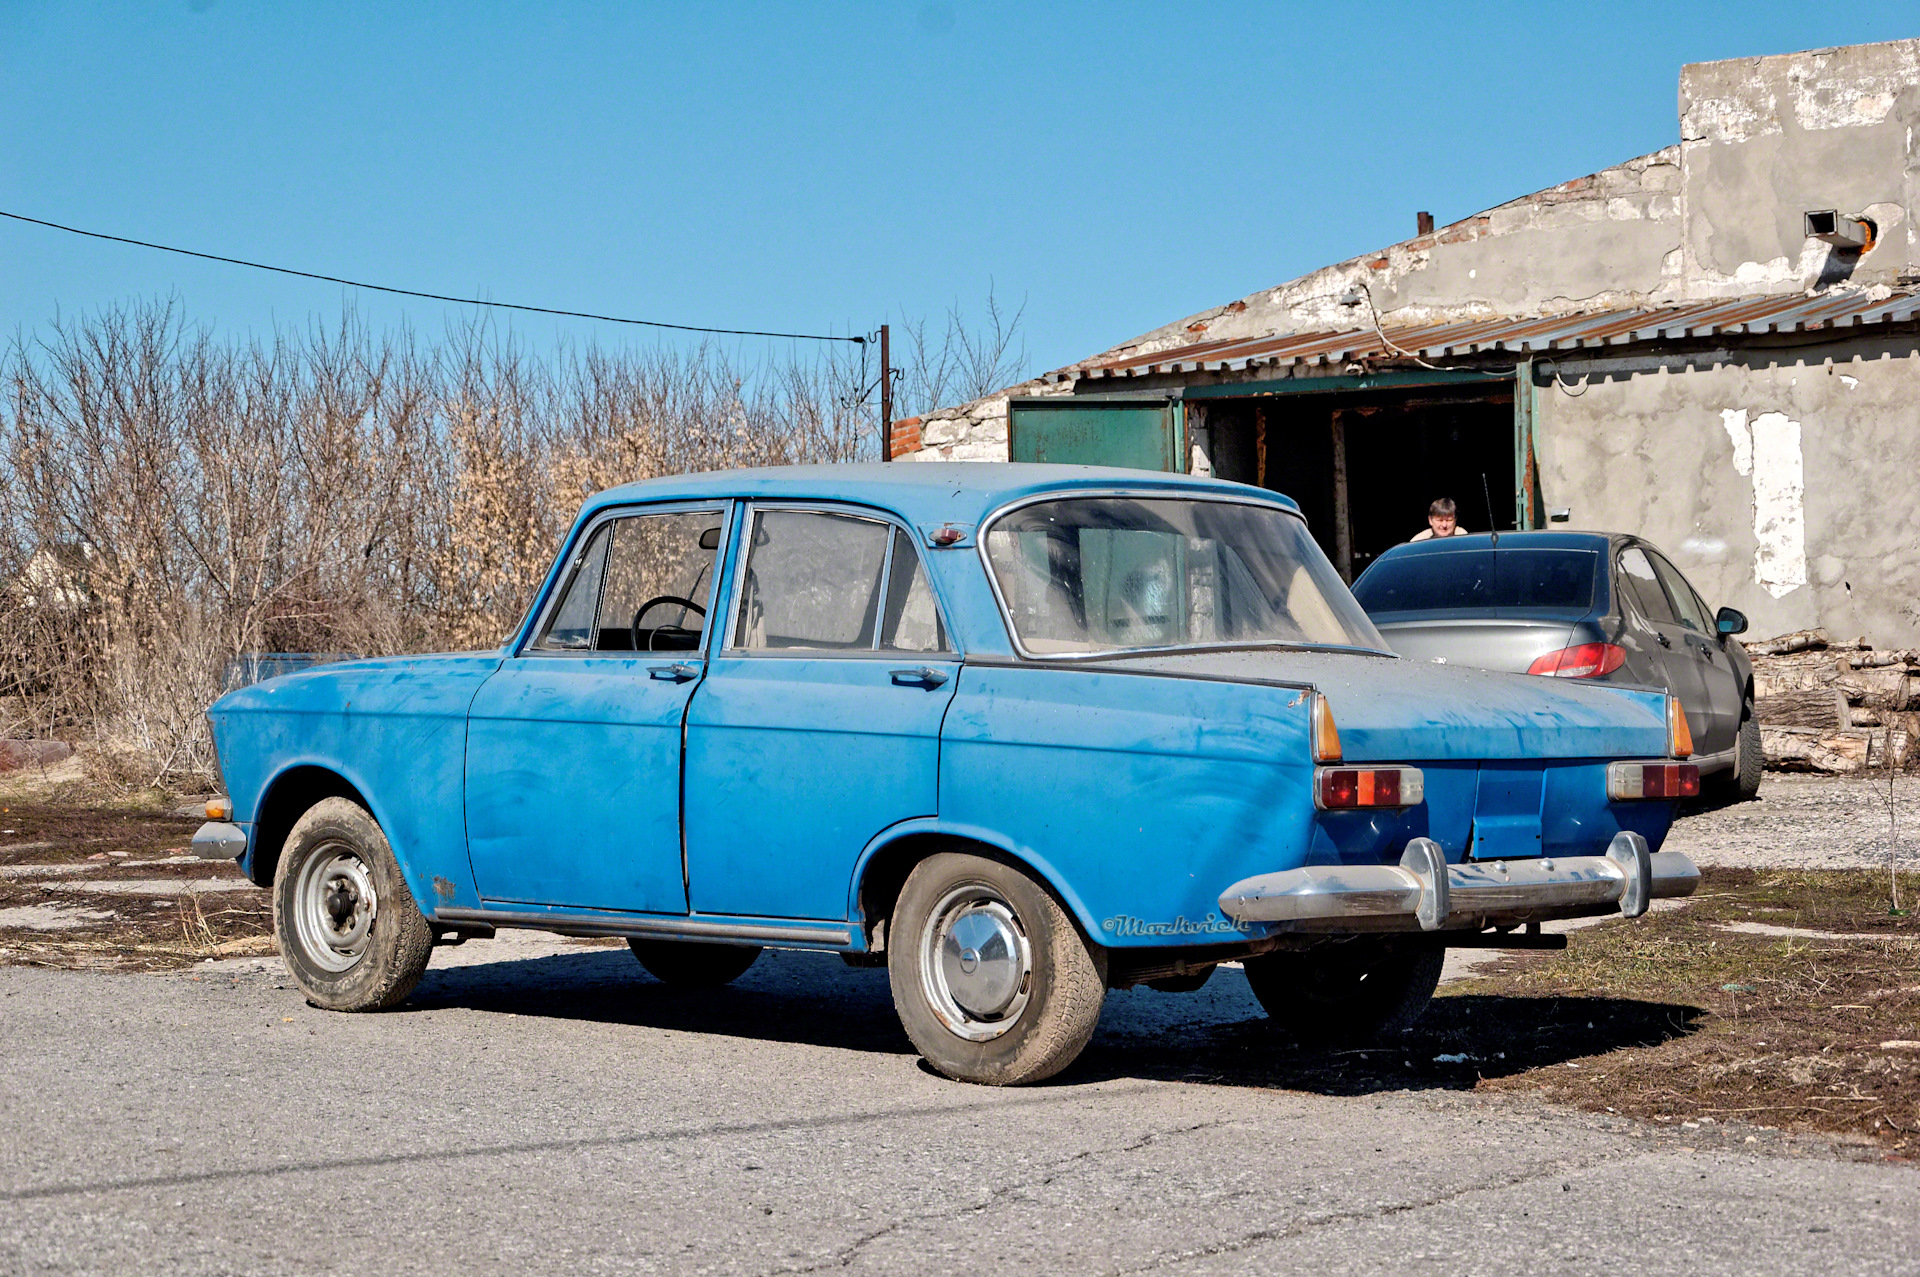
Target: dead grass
x,y
1780,1031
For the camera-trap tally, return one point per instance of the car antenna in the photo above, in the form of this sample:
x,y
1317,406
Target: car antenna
x,y
1487,495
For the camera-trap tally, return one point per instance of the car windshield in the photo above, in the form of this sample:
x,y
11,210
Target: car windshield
x,y
1506,581
1084,575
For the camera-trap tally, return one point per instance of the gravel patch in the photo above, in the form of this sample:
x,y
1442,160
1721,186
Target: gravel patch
x,y
1806,822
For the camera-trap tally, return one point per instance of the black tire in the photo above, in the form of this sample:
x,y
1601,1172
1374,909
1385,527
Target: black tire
x,y
690,964
347,926
1749,761
1029,1003
1347,993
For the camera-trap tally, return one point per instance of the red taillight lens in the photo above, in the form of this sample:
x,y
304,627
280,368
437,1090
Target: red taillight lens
x,y
1627,782
1344,788
1587,660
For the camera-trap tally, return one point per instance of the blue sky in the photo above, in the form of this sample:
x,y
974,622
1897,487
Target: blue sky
x,y
812,167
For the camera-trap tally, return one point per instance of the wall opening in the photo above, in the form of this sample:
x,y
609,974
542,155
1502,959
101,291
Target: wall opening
x,y
1364,466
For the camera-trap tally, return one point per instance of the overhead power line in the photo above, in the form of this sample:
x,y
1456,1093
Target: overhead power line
x,y
438,297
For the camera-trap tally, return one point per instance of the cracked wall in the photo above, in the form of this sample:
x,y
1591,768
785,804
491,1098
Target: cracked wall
x,y
1780,481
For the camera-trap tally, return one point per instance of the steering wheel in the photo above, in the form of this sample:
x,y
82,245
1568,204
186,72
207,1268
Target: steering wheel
x,y
656,601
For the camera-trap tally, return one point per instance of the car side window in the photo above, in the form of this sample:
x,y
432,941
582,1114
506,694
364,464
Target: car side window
x,y
570,628
912,622
812,581
1686,604
641,585
1637,578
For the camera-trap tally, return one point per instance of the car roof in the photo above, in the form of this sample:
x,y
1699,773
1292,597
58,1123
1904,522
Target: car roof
x,y
924,492
1544,540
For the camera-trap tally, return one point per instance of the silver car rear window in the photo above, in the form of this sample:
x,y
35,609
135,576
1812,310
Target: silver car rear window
x,y
1518,581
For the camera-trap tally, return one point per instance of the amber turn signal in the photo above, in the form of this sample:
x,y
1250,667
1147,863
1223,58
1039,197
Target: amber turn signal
x,y
1679,735
1326,736
1345,788
219,809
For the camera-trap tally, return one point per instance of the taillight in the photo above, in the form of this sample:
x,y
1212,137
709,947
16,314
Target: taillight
x,y
1627,782
1585,660
1326,736
1679,735
1344,788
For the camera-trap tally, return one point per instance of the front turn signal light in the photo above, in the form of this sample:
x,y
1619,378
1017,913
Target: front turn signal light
x,y
219,809
1326,736
1679,735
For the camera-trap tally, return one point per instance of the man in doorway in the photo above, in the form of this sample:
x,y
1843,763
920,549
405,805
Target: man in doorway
x,y
1443,520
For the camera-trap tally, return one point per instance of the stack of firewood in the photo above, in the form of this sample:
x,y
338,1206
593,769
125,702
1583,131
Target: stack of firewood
x,y
1834,707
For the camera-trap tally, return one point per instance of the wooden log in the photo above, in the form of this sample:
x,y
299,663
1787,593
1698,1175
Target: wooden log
x,y
1776,678
1822,708
1803,749
1862,716
1889,748
1798,641
1886,688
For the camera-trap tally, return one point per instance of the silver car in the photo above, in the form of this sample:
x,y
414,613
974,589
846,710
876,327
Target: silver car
x,y
1593,605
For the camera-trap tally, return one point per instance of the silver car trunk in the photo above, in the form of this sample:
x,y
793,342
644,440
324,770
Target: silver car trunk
x,y
1484,642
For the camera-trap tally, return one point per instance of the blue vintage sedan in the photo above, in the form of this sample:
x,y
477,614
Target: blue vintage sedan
x,y
1019,733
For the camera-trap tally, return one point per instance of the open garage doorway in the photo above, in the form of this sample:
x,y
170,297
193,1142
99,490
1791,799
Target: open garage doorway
x,y
1365,465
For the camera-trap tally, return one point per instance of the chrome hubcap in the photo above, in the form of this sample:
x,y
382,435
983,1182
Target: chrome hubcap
x,y
975,963
334,907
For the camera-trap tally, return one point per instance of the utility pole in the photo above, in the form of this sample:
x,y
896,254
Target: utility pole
x,y
886,396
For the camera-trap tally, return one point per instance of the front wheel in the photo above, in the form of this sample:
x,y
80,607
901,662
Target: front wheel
x,y
347,925
992,980
1347,993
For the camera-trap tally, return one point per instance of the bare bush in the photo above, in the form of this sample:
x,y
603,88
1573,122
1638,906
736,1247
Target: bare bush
x,y
169,502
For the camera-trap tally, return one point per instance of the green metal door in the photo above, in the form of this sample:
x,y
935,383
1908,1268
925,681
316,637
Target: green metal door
x,y
1141,434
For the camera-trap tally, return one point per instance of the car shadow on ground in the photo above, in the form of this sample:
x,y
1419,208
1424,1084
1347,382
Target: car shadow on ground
x,y
1217,1035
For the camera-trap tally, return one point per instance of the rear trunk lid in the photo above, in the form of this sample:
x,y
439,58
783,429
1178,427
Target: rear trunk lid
x,y
1488,643
1390,709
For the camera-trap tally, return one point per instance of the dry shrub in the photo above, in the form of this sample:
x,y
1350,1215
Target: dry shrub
x,y
170,501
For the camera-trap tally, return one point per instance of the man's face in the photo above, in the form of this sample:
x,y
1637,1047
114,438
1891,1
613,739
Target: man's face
x,y
1442,524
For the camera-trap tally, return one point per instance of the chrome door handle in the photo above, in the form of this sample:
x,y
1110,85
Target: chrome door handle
x,y
926,676
1663,640
679,671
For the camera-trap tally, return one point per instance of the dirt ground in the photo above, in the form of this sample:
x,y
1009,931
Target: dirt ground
x,y
107,887
1784,997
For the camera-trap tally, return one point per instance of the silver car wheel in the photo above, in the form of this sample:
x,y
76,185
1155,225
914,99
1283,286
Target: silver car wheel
x,y
976,966
334,907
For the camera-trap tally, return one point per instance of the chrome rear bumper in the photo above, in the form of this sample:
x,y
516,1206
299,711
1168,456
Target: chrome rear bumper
x,y
1425,893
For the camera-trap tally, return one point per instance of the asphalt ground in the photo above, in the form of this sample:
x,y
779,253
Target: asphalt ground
x,y
541,1107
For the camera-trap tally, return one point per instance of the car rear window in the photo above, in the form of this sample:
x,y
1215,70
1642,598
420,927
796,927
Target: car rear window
x,y
1497,581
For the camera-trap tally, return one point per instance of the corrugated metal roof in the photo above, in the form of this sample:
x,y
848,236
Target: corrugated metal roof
x,y
1850,308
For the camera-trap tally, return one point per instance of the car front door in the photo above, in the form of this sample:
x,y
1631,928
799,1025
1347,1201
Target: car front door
x,y
1726,698
818,724
574,745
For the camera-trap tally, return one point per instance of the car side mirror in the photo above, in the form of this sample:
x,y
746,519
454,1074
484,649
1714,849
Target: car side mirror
x,y
1729,622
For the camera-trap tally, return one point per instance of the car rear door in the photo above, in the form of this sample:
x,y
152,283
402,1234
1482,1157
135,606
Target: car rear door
x,y
1654,634
1725,695
818,724
573,746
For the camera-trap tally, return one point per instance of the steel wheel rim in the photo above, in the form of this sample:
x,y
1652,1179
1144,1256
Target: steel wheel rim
x,y
334,906
976,966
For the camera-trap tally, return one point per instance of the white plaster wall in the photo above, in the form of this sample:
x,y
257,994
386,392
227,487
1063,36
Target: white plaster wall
x,y
1786,484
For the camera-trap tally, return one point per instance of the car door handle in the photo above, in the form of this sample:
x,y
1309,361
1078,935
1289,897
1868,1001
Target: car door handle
x,y
679,671
1662,639
926,676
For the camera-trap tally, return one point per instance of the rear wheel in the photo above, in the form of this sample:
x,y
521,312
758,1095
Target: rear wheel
x,y
1352,992
993,981
1749,761
687,964
347,925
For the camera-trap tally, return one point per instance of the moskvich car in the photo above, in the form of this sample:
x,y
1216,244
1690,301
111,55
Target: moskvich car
x,y
1018,733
